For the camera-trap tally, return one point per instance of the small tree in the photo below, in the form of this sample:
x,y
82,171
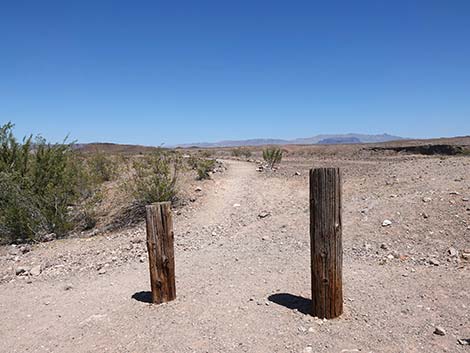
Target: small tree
x,y
272,156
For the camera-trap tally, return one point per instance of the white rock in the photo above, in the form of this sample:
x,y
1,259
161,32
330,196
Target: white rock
x,y
386,223
439,331
36,270
236,205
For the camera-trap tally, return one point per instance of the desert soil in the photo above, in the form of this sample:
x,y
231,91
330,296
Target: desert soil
x,y
243,282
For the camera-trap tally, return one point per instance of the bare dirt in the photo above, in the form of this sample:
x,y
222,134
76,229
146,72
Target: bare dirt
x,y
243,282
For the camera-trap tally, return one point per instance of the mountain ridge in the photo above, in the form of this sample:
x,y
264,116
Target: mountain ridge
x,y
317,139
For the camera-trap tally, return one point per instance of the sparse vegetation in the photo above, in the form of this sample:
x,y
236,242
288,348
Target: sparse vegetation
x,y
39,184
204,168
241,152
155,177
101,167
272,156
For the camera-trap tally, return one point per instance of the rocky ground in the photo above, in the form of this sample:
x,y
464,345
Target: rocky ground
x,y
242,264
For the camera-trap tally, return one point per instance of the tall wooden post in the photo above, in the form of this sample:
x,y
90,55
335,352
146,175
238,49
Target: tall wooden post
x,y
326,242
161,252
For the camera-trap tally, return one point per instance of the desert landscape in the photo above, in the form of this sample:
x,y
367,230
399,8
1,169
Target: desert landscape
x,y
242,258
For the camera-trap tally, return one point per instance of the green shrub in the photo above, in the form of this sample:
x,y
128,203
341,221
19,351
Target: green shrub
x,y
38,183
101,167
155,177
272,156
241,152
204,168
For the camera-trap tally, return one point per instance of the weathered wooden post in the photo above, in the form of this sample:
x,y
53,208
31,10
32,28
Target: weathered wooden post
x,y
326,242
161,252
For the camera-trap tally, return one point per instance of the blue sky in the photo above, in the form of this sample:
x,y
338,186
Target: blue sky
x,y
152,72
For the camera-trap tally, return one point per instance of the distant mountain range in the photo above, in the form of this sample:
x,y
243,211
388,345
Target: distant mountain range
x,y
318,139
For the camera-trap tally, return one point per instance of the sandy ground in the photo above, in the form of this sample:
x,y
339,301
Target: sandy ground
x,y
243,283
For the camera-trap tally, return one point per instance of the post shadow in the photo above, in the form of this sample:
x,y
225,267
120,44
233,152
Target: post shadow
x,y
144,297
292,302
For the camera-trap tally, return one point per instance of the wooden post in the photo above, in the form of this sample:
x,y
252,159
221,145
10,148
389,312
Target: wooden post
x,y
326,243
161,252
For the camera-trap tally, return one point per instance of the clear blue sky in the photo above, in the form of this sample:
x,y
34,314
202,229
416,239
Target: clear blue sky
x,y
183,71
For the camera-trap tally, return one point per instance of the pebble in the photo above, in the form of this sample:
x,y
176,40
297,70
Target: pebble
x,y
386,223
36,270
21,270
439,331
264,214
452,252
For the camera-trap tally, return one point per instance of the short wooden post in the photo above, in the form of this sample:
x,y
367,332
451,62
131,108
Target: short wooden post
x,y
161,252
326,242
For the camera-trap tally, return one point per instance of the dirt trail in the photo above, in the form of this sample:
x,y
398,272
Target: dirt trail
x,y
242,286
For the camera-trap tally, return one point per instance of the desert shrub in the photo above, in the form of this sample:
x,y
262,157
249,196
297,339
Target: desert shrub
x,y
204,168
39,182
206,153
192,162
241,152
272,156
101,167
155,177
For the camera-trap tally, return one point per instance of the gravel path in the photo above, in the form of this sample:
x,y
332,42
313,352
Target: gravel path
x,y
242,286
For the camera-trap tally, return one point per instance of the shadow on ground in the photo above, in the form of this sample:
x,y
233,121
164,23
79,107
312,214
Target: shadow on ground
x,y
144,297
292,302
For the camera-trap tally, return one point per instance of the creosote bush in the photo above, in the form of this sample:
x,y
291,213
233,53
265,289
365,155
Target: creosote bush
x,y
155,177
241,152
204,168
39,183
272,156
101,167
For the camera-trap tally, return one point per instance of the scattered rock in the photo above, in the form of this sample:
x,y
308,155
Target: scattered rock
x,y
236,205
264,214
452,252
36,270
464,341
434,262
68,286
25,248
386,223
384,246
102,271
49,237
297,173
425,215
439,331
21,271
427,199
454,193
198,189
